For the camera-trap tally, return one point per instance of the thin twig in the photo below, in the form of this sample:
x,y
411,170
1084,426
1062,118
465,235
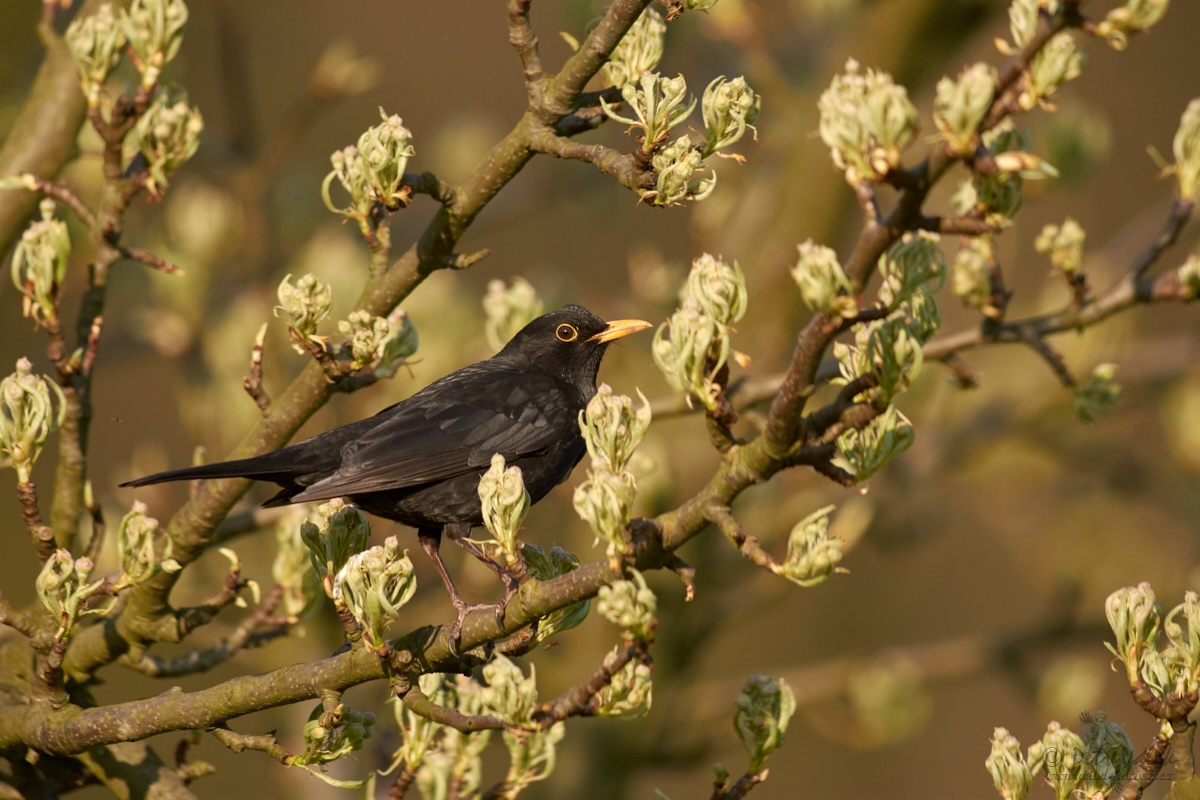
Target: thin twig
x,y
150,260
41,534
253,383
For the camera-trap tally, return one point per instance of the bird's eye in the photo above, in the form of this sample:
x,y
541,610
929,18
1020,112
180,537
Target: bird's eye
x,y
566,333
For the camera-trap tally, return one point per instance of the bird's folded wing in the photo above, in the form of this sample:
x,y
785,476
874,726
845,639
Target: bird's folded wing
x,y
425,440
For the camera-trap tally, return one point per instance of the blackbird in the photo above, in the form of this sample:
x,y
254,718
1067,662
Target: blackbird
x,y
419,461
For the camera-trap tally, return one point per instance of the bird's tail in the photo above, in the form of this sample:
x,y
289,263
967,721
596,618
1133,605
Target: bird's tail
x,y
258,468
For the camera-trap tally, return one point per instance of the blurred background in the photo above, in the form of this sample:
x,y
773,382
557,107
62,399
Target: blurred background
x,y
980,560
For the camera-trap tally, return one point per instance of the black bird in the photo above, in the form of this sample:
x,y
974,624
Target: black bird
x,y
419,461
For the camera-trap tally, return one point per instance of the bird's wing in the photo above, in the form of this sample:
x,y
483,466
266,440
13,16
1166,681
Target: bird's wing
x,y
451,428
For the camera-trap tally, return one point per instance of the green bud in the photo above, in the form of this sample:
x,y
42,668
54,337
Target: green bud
x,y
658,104
1098,395
419,732
1009,769
1108,754
1128,20
971,274
547,566
1062,755
611,428
510,695
306,305
292,568
1022,22
532,756
1135,616
367,334
325,744
922,315
1027,164
729,107
505,504
154,30
676,164
914,261
372,171
719,288
639,51
1185,645
342,531
137,539
896,356
812,554
63,590
630,605
168,134
39,264
605,502
96,41
1058,62
630,692
1064,244
27,416
1187,151
864,452
822,281
866,121
374,584
398,346
960,106
1189,277
509,309
764,709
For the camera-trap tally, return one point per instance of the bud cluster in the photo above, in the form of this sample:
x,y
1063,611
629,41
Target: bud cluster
x,y
764,709
167,135
729,108
865,451
27,415
812,554
509,309
630,605
630,693
342,531
292,569
372,171
658,105
1129,20
63,589
1064,244
39,265
971,274
692,346
823,283
137,548
306,305
638,52
504,504
96,41
866,121
329,736
373,585
960,105
154,32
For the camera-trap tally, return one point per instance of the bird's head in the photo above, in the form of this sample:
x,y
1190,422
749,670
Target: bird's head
x,y
568,343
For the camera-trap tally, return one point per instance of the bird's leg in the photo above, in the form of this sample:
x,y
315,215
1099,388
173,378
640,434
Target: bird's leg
x,y
431,540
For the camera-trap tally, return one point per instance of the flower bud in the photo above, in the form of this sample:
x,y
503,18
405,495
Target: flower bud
x,y
1063,756
27,415
1008,766
418,733
509,694
867,450
822,281
658,105
154,30
630,605
764,709
611,429
342,532
676,164
1027,164
505,503
546,566
398,346
137,552
167,135
729,107
1064,244
639,51
1187,151
1128,20
719,288
532,756
63,590
866,121
971,274
960,106
629,694
39,264
366,334
509,309
1098,395
1055,64
374,584
326,743
812,554
372,171
96,41
605,502
306,305
1134,616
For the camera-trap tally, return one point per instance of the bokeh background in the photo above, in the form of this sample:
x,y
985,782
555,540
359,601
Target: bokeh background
x,y
979,561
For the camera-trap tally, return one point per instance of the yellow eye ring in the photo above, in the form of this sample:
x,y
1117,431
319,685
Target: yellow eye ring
x,y
566,333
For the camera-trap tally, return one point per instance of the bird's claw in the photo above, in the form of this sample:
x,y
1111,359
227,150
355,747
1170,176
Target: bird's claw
x,y
454,637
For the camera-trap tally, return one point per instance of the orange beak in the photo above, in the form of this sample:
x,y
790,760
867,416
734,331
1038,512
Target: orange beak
x,y
619,328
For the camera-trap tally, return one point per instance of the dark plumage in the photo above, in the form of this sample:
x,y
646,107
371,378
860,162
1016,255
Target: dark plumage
x,y
418,462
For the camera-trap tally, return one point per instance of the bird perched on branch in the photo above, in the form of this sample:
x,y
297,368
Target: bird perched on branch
x,y
419,461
